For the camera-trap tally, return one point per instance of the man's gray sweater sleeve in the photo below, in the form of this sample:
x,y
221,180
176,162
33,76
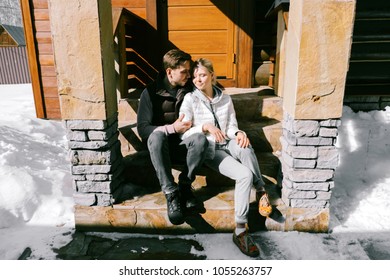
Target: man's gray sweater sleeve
x,y
145,116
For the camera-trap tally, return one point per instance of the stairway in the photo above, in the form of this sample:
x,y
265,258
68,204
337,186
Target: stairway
x,y
368,78
143,207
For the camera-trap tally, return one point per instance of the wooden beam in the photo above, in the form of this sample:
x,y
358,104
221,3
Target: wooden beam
x,y
33,59
245,44
285,17
116,14
122,59
151,13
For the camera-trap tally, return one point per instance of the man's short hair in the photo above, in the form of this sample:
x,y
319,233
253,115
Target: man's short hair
x,y
174,58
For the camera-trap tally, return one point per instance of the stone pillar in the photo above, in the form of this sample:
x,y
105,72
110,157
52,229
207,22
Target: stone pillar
x,y
84,60
317,56
309,160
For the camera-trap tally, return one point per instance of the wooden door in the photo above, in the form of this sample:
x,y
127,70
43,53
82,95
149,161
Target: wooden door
x,y
202,29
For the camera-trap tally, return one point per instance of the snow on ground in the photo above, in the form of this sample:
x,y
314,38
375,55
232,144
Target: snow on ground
x,y
36,205
35,183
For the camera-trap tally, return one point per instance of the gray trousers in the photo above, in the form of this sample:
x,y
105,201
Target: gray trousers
x,y
241,165
165,149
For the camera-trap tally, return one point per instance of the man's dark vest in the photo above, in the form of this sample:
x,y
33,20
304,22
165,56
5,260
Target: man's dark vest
x,y
165,107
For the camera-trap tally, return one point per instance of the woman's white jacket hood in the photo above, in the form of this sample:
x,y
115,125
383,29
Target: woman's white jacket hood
x,y
199,109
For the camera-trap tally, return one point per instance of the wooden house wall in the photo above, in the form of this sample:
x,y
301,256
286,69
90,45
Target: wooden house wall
x,y
46,59
137,7
219,30
204,30
38,36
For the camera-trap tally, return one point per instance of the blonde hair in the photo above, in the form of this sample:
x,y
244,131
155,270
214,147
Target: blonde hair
x,y
206,63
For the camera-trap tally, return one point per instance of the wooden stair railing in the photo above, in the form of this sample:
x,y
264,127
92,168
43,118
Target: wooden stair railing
x,y
137,52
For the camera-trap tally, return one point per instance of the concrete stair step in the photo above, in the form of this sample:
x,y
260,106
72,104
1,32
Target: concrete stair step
x,y
249,104
143,208
259,113
255,105
140,171
264,134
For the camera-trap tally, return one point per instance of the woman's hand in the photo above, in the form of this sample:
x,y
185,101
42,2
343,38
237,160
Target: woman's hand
x,y
215,131
242,140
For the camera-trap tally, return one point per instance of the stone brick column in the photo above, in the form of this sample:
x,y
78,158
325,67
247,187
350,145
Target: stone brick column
x,y
84,60
317,57
309,160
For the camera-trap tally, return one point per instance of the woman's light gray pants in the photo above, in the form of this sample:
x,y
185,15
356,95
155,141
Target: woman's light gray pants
x,y
241,165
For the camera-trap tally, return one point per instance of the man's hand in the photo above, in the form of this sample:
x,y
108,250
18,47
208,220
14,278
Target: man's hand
x,y
180,126
242,140
219,136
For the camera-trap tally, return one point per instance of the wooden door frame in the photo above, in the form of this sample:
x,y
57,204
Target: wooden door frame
x,y
151,12
33,59
245,44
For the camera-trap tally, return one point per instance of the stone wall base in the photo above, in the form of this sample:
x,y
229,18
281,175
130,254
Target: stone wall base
x,y
143,220
94,151
309,160
148,214
300,219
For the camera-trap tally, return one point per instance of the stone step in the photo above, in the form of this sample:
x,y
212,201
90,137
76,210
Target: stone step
x,y
264,135
143,206
148,214
259,103
259,113
140,171
250,104
285,218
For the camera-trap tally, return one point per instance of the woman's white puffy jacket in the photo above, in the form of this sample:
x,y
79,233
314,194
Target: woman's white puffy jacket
x,y
198,108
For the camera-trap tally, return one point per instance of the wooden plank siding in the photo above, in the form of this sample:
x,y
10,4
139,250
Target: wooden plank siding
x,y
44,81
203,29
137,7
46,59
138,53
217,29
36,21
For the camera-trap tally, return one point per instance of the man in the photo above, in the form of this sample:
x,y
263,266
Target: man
x,y
159,125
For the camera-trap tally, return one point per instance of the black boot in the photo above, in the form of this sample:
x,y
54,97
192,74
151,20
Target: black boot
x,y
174,207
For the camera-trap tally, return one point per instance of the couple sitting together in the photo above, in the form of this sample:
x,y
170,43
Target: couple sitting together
x,y
195,122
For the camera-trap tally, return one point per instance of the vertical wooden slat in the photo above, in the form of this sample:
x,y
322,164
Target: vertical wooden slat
x,y
151,13
121,33
245,46
32,58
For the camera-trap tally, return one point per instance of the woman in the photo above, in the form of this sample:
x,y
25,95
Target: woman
x,y
229,152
